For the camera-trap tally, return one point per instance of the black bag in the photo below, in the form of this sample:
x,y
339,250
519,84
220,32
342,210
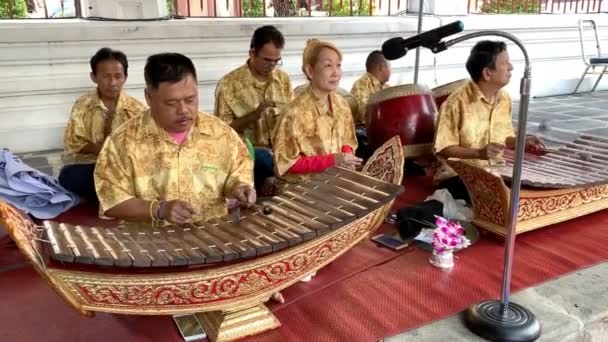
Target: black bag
x,y
409,219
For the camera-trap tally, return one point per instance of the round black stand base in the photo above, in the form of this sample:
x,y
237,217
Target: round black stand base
x,y
486,319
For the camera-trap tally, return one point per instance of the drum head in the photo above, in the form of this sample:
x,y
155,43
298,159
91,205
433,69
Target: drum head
x,y
448,88
396,92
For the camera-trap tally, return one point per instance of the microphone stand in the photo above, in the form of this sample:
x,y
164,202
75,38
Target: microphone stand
x,y
504,320
417,63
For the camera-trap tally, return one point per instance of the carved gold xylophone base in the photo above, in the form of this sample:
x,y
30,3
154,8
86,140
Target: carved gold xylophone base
x,y
232,325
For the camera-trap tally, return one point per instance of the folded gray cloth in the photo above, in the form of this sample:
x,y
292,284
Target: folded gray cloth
x,y
32,191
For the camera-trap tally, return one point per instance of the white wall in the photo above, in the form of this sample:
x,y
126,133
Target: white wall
x,y
44,64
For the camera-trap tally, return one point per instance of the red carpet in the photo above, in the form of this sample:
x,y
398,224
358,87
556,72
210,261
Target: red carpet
x,y
367,294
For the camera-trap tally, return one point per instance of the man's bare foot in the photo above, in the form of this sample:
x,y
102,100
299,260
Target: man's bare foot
x,y
278,297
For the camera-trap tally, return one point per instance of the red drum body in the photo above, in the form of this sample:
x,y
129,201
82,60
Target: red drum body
x,y
441,93
408,111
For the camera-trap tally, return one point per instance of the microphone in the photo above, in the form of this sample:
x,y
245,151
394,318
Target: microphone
x,y
397,47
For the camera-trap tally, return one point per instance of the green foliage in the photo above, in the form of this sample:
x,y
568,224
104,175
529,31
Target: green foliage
x,y
343,10
19,9
170,8
510,6
253,8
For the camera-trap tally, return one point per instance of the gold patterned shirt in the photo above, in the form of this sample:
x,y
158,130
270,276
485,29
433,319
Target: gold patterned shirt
x,y
239,93
87,122
309,128
362,89
141,160
468,119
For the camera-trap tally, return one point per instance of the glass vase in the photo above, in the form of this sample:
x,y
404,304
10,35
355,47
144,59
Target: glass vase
x,y
444,259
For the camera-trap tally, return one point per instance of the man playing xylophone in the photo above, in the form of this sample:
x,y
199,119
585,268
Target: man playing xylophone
x,y
172,163
475,120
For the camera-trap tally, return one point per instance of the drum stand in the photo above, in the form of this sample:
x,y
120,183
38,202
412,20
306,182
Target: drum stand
x,y
503,320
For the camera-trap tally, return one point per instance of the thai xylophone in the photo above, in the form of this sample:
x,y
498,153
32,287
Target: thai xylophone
x,y
221,270
561,184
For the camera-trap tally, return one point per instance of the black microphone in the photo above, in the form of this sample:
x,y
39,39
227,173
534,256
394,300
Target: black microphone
x,y
396,48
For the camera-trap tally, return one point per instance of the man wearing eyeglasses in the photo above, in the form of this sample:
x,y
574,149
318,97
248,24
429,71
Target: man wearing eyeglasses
x,y
251,97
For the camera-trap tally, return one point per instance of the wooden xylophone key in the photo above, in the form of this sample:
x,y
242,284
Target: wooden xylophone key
x,y
143,255
183,254
236,240
344,193
161,257
100,253
335,202
359,188
60,249
236,231
285,221
79,248
313,214
306,201
304,220
275,238
182,244
230,248
207,247
119,256
357,179
262,223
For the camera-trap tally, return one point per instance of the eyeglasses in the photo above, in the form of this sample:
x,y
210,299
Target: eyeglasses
x,y
272,62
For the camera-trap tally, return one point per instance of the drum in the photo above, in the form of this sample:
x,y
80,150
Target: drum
x,y
442,92
407,111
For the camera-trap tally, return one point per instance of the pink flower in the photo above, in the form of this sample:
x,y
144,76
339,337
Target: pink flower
x,y
440,221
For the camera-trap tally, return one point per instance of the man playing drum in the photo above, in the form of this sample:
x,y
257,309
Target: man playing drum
x,y
251,97
378,72
173,163
93,117
317,131
475,120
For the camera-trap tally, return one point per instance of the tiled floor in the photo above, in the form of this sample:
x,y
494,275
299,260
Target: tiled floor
x,y
563,116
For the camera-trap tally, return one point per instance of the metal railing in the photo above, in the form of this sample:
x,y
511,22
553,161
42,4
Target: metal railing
x,y
534,6
39,9
51,9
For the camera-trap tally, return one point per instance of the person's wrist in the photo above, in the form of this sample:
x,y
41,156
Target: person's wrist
x,y
160,210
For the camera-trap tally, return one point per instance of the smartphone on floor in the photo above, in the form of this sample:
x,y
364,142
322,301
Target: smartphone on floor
x,y
189,327
390,242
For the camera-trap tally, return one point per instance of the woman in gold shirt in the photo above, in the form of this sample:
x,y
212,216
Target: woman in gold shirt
x,y
317,131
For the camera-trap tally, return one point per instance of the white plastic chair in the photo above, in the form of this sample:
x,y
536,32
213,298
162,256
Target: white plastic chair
x,y
599,62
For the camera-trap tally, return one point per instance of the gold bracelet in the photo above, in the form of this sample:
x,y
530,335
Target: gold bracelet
x,y
152,210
